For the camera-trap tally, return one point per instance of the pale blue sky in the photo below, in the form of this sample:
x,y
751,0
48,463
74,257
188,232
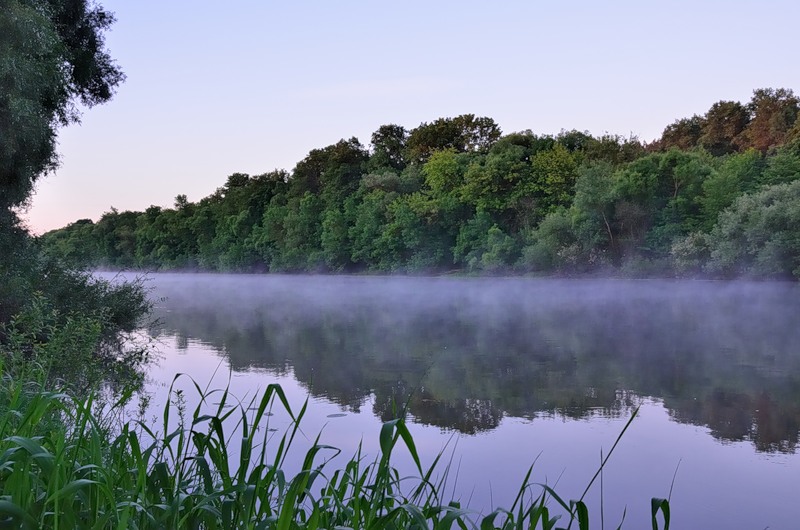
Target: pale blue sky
x,y
218,87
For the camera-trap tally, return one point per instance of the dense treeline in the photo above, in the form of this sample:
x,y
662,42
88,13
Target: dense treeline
x,y
716,194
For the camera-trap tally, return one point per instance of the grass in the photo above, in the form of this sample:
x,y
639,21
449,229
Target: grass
x,y
62,467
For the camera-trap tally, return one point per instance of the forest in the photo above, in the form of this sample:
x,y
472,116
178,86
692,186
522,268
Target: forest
x,y
716,195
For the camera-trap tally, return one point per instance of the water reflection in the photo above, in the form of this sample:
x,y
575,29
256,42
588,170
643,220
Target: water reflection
x,y
469,352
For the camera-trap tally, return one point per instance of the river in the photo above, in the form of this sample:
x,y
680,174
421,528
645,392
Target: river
x,y
500,373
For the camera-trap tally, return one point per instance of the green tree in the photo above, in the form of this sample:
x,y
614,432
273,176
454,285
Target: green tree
x,y
203,226
421,232
737,174
337,247
464,133
269,235
444,173
371,248
333,172
613,149
482,245
552,181
76,243
147,237
388,148
116,237
301,247
551,245
593,208
52,57
490,180
658,198
784,165
759,234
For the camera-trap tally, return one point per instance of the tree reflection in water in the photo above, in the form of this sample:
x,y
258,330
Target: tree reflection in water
x,y
464,353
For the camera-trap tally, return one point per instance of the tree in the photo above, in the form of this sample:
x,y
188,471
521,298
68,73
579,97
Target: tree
x,y
737,174
722,127
490,181
421,232
369,247
481,245
75,243
758,234
551,245
682,134
774,112
301,248
657,198
575,140
332,172
593,207
462,134
388,148
444,172
337,247
553,174
784,165
613,148
52,57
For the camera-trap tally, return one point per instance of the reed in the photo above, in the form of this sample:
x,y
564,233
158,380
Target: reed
x,y
61,467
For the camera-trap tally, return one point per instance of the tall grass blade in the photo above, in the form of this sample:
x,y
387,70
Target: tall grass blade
x,y
659,505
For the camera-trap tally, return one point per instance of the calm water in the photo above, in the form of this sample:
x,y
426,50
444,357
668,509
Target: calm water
x,y
500,373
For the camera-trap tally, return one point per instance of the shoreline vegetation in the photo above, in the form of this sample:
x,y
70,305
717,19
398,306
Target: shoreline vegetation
x,y
67,465
717,196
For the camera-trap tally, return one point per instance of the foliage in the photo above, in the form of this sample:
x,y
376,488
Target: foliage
x,y
54,319
52,56
759,234
464,133
552,245
766,122
74,327
456,193
482,245
736,174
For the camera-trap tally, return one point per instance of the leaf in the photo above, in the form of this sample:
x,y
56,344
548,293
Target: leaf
x,y
657,505
70,489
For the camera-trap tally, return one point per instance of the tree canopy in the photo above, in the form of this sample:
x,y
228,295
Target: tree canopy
x,y
52,59
457,194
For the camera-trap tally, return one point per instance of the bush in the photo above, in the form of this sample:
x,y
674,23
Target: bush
x,y
71,325
759,234
552,245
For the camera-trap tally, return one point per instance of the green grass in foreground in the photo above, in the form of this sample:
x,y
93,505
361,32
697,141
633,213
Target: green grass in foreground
x,y
61,469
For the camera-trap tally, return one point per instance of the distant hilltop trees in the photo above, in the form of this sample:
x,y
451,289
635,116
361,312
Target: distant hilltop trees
x,y
715,195
768,121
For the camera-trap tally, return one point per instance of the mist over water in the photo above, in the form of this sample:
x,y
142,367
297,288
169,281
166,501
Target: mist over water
x,y
514,367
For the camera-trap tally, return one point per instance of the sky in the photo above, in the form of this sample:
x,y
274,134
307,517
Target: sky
x,y
250,86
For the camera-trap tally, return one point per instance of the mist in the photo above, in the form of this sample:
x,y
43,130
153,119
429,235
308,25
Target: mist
x,y
467,352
